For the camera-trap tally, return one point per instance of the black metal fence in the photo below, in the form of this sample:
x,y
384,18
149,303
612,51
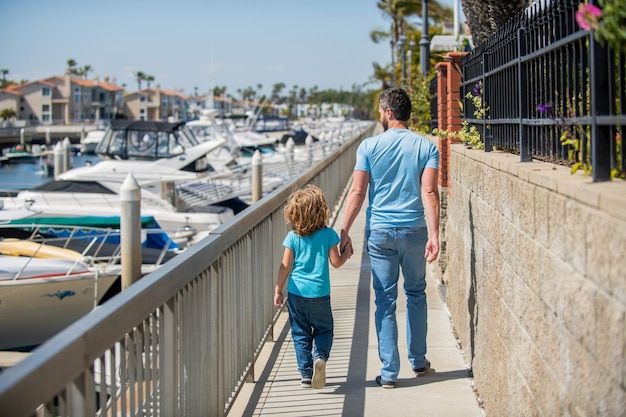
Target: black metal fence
x,y
549,90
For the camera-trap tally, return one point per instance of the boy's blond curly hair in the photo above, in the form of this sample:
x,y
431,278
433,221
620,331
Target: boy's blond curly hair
x,y
306,210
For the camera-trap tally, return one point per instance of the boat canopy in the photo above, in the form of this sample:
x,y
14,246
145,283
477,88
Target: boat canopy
x,y
145,140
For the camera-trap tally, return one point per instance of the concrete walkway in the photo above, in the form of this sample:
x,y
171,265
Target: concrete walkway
x,y
350,388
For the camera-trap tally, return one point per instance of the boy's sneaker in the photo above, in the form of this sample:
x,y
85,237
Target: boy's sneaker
x,y
421,371
306,383
384,383
319,373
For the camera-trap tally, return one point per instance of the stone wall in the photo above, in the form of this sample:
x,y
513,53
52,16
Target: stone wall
x,y
536,284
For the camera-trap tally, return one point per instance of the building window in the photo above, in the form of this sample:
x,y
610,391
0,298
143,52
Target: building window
x,y
77,95
142,99
45,91
45,112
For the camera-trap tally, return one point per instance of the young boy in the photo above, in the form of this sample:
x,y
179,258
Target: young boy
x,y
308,248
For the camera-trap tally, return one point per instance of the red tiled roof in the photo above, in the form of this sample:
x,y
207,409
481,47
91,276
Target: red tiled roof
x,y
18,87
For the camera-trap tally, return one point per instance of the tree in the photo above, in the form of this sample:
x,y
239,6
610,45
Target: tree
x,y
86,70
4,83
139,76
382,75
485,17
70,66
278,87
7,114
398,11
149,79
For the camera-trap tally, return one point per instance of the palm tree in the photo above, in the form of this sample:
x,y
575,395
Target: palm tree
x,y
86,70
139,76
278,87
382,75
7,114
398,11
4,73
70,66
149,79
485,17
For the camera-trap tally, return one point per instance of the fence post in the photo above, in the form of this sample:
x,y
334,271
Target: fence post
x,y
524,144
599,86
487,139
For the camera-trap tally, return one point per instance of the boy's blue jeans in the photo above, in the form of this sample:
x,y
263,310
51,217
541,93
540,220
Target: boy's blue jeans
x,y
311,321
391,249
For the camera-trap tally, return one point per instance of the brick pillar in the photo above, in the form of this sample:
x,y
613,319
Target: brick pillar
x,y
453,59
442,120
448,107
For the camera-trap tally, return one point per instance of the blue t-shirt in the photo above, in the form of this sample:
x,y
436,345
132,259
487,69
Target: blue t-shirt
x,y
395,161
310,276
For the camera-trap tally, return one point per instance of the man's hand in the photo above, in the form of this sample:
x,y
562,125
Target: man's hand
x,y
432,249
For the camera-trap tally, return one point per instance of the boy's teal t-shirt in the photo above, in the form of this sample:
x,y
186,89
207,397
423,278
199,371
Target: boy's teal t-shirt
x,y
310,276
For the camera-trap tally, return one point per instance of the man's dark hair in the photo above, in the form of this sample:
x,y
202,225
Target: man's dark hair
x,y
398,101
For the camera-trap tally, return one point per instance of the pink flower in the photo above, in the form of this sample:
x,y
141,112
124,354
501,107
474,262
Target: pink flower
x,y
587,16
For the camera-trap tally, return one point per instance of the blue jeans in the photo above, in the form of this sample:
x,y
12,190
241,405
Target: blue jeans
x,y
311,321
389,250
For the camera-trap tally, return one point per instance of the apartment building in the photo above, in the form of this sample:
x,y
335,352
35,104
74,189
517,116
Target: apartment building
x,y
156,104
64,100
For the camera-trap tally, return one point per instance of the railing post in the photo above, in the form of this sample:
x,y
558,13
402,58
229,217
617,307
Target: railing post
x,y
58,159
257,176
290,150
130,234
67,152
309,150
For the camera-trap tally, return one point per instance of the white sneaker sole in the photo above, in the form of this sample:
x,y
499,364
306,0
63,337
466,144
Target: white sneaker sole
x,y
319,374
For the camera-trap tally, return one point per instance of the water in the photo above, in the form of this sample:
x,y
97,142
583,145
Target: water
x,y
27,175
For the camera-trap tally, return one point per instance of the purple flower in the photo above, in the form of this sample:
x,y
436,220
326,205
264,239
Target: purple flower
x,y
587,16
544,108
478,89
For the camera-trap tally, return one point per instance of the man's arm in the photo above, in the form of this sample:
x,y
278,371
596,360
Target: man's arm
x,y
356,196
430,196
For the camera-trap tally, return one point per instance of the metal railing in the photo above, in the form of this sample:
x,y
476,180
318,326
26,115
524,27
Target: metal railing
x,y
552,91
183,339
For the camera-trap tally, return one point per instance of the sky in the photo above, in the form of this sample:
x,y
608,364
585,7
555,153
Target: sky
x,y
191,43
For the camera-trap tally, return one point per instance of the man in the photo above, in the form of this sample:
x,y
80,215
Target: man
x,y
402,230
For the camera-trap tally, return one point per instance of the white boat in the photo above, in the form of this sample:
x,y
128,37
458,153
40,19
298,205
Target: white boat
x,y
91,141
51,275
41,296
240,140
157,155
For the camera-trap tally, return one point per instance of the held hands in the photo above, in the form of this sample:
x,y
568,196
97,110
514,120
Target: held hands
x,y
345,244
347,249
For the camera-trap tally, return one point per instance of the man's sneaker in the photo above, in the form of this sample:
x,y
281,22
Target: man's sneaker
x,y
319,373
421,371
306,383
385,384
